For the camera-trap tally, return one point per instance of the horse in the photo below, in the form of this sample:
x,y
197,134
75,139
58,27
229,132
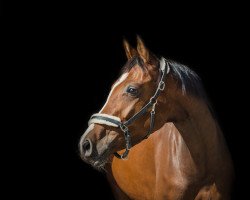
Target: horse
x,y
156,136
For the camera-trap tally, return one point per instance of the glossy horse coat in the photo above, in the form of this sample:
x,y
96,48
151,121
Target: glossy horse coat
x,y
184,158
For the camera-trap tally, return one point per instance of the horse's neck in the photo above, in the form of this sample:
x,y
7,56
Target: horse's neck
x,y
201,134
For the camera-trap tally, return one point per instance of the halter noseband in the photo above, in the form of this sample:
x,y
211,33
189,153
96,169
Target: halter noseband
x,y
114,121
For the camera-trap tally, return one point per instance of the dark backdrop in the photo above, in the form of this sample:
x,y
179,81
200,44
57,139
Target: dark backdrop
x,y
73,57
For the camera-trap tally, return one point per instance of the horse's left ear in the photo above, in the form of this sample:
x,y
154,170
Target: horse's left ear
x,y
142,50
130,51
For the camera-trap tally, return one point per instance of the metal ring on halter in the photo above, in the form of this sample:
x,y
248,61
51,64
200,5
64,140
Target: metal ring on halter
x,y
162,85
152,100
123,128
126,155
123,156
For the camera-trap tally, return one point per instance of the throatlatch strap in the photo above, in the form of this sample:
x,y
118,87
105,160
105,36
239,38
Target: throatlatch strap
x,y
151,126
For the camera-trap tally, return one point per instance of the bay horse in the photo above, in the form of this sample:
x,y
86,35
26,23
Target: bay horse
x,y
156,136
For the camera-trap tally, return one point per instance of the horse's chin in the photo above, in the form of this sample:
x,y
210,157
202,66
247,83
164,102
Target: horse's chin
x,y
99,165
101,161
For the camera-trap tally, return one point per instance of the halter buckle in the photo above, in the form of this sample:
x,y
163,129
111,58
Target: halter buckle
x,y
124,128
153,107
162,85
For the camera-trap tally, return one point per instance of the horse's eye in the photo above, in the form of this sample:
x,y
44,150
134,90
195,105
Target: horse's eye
x,y
133,91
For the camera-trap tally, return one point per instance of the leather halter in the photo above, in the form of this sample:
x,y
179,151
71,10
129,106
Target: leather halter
x,y
114,121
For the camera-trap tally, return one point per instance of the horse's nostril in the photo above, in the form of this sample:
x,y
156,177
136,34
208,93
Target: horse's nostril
x,y
87,148
86,145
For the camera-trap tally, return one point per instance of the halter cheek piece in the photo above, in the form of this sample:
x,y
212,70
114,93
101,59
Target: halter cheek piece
x,y
114,121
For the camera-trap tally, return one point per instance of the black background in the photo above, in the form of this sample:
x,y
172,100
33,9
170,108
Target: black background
x,y
71,57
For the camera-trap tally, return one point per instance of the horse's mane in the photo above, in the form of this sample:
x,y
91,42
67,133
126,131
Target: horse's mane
x,y
187,79
189,82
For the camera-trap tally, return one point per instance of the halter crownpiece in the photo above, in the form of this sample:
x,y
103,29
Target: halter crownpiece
x,y
110,120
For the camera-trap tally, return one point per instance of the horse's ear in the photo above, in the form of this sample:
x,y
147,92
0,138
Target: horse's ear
x,y
130,51
142,50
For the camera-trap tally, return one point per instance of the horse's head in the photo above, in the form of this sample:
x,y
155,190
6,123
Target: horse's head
x,y
129,94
